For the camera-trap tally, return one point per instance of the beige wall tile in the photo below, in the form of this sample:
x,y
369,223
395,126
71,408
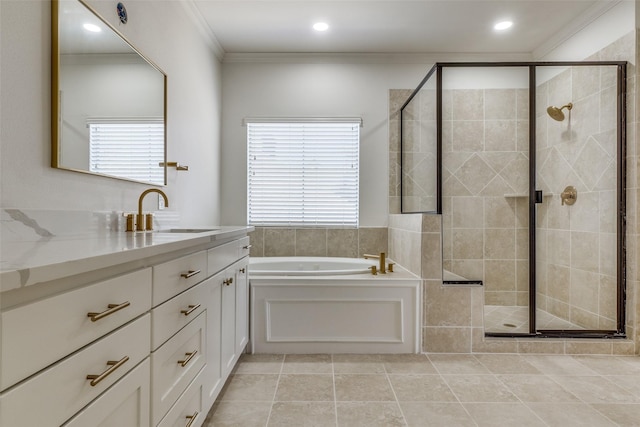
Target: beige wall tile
x,y
499,244
482,344
446,305
500,104
311,242
588,347
342,242
500,275
467,243
372,240
279,242
467,104
256,238
431,250
500,135
446,340
540,346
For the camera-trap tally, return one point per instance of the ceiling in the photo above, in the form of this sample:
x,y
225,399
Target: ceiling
x,y
394,26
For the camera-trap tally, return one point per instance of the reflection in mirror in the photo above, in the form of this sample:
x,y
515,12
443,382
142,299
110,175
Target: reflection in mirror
x,y
108,101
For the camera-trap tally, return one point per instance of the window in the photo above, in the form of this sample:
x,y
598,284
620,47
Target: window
x,y
303,173
127,149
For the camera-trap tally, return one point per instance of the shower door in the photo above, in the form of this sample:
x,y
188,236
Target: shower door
x,y
485,189
578,175
530,185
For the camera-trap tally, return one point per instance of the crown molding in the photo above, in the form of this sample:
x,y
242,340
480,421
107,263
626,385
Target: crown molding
x,y
201,24
575,26
371,58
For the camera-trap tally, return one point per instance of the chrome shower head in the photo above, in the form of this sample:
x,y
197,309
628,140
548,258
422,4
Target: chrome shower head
x,y
556,113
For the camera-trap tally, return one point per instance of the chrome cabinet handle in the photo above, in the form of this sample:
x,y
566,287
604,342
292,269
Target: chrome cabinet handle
x,y
191,418
188,359
190,273
191,309
95,379
247,247
111,308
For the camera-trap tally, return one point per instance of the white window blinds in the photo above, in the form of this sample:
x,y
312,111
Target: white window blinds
x,y
303,174
128,149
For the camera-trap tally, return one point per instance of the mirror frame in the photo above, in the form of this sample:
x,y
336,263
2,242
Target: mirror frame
x,y
56,113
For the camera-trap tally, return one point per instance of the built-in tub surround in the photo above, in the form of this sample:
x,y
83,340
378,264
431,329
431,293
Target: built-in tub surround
x,y
305,309
309,266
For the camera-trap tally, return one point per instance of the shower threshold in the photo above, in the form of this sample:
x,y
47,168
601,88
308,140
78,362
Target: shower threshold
x,y
515,320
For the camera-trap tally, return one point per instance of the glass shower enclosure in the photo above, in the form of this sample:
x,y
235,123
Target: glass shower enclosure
x,y
525,163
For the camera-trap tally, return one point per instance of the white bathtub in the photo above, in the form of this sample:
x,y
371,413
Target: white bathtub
x,y
309,266
332,305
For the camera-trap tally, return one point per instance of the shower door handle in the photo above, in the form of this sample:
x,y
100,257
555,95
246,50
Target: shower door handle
x,y
538,196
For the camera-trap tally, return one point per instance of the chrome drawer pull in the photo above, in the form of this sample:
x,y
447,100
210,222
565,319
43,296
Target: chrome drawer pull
x,y
247,247
191,418
112,308
95,379
188,359
191,273
191,309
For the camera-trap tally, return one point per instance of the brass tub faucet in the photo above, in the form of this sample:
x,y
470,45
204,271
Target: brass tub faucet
x,y
382,269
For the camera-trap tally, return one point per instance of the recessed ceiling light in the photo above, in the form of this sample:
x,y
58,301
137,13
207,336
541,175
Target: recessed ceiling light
x,y
503,25
91,27
321,26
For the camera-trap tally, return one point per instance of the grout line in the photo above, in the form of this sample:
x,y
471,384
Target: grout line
x,y
335,397
275,392
395,396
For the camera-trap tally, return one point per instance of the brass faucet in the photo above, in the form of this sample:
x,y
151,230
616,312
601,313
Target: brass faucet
x,y
382,257
140,222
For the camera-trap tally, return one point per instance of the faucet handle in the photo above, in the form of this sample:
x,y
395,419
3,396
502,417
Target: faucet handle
x,y
374,270
130,222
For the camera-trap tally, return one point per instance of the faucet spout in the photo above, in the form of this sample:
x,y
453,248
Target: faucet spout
x,y
382,269
140,218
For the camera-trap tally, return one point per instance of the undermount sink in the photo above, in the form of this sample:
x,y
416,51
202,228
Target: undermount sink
x,y
187,230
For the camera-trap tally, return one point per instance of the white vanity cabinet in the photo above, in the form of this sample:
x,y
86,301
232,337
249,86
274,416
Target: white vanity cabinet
x,y
235,311
143,342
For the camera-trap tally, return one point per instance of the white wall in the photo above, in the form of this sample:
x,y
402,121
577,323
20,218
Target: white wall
x,y
162,31
600,33
306,89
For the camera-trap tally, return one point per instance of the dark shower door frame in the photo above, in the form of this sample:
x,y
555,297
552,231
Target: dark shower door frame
x,y
437,69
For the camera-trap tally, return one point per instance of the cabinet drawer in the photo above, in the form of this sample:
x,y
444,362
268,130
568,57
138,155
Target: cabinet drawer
x,y
222,256
189,409
57,393
244,247
175,364
171,316
124,404
61,325
176,276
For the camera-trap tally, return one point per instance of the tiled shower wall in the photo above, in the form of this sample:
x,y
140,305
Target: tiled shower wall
x,y
485,190
337,242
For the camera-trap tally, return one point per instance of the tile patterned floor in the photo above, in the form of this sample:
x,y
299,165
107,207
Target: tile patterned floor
x,y
430,390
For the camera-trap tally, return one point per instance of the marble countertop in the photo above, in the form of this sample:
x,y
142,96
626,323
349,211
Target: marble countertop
x,y
36,247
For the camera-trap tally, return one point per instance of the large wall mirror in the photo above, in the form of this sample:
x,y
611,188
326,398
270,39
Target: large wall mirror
x,y
108,100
